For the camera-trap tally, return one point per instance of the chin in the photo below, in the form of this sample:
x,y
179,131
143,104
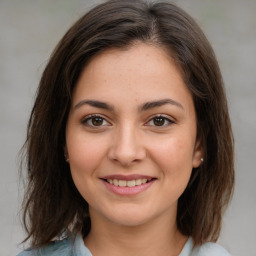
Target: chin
x,y
129,221
130,217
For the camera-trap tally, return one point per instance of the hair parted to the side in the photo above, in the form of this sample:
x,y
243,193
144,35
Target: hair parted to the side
x,y
52,203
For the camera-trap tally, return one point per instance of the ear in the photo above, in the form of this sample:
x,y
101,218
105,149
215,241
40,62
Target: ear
x,y
198,154
66,154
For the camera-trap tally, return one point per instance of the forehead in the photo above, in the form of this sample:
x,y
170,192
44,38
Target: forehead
x,y
139,57
140,73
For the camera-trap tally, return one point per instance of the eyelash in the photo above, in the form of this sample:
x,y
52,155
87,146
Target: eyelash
x,y
87,119
167,121
90,118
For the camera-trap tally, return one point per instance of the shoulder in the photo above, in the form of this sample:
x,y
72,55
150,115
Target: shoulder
x,y
209,249
56,248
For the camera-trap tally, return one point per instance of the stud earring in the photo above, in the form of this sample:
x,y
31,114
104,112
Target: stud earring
x,y
66,158
201,159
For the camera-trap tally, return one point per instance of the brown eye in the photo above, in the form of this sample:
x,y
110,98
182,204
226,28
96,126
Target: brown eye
x,y
159,121
95,121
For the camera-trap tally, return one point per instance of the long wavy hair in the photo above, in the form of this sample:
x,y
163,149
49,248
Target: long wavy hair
x,y
52,204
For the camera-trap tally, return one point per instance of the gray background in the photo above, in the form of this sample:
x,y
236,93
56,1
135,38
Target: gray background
x,y
30,29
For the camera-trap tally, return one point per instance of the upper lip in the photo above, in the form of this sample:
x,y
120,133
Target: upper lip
x,y
127,177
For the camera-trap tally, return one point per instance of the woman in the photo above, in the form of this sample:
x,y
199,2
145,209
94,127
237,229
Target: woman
x,y
129,144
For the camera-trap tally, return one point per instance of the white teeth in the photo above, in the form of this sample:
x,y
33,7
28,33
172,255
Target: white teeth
x,y
138,182
129,183
122,183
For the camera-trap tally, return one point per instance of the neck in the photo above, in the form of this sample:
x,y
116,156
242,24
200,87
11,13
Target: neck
x,y
158,237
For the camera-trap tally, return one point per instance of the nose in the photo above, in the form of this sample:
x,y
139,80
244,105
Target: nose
x,y
127,147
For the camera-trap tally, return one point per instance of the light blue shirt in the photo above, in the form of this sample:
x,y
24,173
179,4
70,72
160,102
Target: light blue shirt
x,y
76,247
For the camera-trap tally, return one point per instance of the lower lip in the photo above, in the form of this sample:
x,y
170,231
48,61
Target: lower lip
x,y
128,191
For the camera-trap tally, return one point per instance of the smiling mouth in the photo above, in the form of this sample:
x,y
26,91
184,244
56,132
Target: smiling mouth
x,y
128,183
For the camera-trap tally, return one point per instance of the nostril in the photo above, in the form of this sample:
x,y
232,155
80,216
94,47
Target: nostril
x,y
126,148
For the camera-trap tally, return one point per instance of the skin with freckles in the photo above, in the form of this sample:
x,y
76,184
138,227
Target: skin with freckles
x,y
132,114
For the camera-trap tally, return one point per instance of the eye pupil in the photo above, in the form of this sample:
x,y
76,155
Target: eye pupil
x,y
159,121
97,121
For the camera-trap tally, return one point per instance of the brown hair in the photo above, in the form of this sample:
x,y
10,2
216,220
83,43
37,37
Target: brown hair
x,y
52,203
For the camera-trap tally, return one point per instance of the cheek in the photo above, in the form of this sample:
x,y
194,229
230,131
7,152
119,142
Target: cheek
x,y
84,154
174,156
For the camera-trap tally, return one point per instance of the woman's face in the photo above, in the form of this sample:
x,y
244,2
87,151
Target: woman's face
x,y
131,135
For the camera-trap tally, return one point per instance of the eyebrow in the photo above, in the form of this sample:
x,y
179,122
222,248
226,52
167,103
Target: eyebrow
x,y
143,107
94,103
159,103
